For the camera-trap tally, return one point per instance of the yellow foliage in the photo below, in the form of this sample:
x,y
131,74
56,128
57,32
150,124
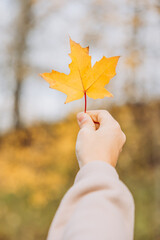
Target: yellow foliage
x,y
38,159
38,165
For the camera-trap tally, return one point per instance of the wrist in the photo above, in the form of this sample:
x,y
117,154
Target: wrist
x,y
86,161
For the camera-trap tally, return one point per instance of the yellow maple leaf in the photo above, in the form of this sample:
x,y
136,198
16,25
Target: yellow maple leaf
x,y
83,79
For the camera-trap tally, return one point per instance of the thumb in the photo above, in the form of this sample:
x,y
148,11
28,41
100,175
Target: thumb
x,y
84,120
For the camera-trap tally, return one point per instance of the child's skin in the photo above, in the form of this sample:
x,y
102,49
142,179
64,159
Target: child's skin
x,y
103,141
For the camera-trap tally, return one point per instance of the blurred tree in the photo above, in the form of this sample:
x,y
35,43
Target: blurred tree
x,y
26,20
22,27
134,48
140,48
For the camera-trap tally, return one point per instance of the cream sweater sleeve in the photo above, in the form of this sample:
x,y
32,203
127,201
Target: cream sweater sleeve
x,y
97,207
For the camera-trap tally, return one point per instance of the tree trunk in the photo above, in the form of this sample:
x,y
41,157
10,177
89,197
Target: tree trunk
x,y
23,25
17,119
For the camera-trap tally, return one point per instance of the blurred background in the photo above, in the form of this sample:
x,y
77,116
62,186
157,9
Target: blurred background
x,y
38,131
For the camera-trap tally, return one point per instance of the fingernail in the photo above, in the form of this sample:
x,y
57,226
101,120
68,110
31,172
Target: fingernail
x,y
81,117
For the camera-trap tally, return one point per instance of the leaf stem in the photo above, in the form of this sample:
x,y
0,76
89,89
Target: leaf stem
x,y
85,98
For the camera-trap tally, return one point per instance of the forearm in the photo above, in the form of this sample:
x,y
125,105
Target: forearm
x,y
97,206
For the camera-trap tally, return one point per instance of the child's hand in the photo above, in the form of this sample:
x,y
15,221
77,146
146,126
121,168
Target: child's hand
x,y
103,141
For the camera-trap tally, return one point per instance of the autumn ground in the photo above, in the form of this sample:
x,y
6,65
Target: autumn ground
x,y
38,165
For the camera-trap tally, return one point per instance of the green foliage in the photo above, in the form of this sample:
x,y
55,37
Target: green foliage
x,y
38,165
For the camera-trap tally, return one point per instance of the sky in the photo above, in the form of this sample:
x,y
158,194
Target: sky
x,y
104,26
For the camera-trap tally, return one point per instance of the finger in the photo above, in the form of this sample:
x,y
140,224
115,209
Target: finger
x,y
84,120
100,116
